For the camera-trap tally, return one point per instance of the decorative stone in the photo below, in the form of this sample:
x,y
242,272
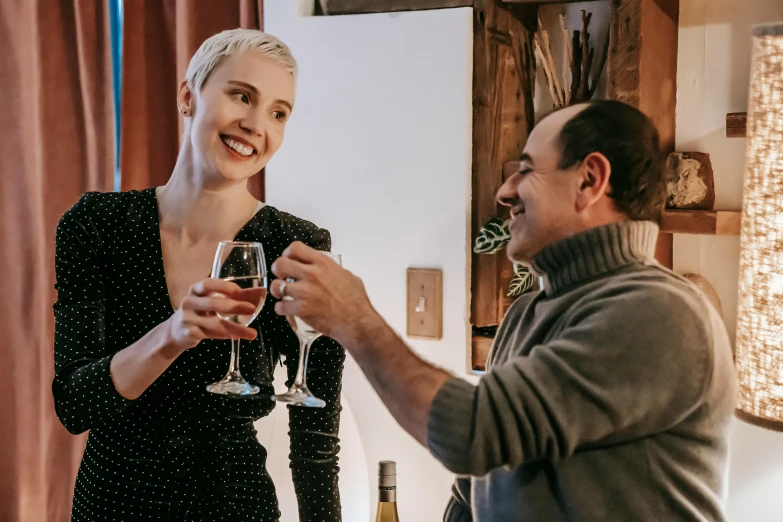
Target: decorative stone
x,y
689,181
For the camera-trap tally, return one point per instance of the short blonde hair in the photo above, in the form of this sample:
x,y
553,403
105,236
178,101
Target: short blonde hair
x,y
217,47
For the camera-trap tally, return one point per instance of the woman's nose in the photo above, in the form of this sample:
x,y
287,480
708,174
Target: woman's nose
x,y
254,123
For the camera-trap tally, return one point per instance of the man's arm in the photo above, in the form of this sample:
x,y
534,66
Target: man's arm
x,y
405,383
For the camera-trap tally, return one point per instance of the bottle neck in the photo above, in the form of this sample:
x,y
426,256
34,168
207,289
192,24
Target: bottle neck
x,y
387,489
387,494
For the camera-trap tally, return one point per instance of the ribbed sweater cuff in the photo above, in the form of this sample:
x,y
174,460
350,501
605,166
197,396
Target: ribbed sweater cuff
x,y
456,512
450,424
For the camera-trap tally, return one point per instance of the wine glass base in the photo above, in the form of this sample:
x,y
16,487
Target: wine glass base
x,y
299,397
231,386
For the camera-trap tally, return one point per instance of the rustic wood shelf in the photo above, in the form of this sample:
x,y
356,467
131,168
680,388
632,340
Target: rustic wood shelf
x,y
706,222
736,123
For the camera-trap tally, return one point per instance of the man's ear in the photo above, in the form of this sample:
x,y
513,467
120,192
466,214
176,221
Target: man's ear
x,y
595,172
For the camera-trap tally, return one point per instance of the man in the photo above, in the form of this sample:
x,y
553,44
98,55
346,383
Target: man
x,y
608,395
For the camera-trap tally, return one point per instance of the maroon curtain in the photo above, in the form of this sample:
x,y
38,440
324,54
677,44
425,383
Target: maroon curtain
x,y
56,143
159,38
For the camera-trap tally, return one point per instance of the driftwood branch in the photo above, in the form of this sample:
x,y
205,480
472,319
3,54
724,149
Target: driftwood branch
x,y
601,66
568,63
581,91
547,53
547,72
578,57
576,64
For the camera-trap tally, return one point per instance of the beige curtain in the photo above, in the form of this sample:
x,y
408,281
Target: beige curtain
x,y
159,37
56,142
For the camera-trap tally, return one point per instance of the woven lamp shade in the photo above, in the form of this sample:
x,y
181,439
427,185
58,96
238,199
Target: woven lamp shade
x,y
760,313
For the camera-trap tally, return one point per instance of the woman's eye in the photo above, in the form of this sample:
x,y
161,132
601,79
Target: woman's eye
x,y
242,96
280,116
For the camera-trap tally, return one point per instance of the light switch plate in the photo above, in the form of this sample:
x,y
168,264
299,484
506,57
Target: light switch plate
x,y
425,303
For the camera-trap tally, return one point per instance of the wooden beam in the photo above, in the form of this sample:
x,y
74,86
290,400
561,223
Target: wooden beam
x,y
736,123
643,70
707,222
345,7
645,32
503,76
480,347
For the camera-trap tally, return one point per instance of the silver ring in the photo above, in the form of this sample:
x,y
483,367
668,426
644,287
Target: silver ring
x,y
282,288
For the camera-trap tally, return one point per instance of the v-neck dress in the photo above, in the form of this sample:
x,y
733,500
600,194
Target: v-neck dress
x,y
178,452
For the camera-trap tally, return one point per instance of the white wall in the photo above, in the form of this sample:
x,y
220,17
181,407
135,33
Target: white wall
x,y
379,151
712,79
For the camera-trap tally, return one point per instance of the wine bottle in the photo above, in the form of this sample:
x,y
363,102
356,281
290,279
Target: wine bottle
x,y
387,492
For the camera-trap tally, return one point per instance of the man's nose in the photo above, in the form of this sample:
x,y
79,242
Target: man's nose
x,y
507,193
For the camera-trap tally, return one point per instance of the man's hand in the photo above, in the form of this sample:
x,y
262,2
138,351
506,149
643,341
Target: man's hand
x,y
333,301
324,295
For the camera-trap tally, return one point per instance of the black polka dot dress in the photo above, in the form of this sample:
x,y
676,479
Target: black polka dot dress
x,y
178,452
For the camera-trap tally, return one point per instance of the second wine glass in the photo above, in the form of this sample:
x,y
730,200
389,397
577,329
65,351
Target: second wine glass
x,y
243,264
299,394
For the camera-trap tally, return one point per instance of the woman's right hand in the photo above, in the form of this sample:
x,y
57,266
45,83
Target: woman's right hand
x,y
196,319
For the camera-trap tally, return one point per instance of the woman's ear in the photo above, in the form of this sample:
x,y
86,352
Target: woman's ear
x,y
594,181
185,99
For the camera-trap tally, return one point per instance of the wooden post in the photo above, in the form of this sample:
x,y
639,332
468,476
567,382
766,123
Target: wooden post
x,y
503,76
643,70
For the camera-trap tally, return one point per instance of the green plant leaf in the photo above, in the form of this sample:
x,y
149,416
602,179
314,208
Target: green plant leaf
x,y
521,282
492,237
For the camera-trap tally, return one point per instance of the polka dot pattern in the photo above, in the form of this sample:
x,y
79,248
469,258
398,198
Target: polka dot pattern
x,y
178,452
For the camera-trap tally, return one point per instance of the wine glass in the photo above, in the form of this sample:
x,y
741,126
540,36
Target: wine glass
x,y
243,264
298,394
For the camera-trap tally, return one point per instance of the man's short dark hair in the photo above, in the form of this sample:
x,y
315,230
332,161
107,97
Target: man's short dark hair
x,y
630,142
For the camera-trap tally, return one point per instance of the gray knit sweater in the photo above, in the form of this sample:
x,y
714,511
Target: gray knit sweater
x,y
608,396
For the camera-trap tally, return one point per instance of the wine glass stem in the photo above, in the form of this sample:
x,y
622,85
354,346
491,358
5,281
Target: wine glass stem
x,y
233,365
301,370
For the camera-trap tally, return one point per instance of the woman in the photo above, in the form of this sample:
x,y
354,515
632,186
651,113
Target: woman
x,y
137,338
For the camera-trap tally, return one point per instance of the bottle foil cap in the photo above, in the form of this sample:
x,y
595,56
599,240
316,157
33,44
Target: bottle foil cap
x,y
387,468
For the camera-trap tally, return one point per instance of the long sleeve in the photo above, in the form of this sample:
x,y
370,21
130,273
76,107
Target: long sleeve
x,y
314,431
458,508
84,394
630,362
